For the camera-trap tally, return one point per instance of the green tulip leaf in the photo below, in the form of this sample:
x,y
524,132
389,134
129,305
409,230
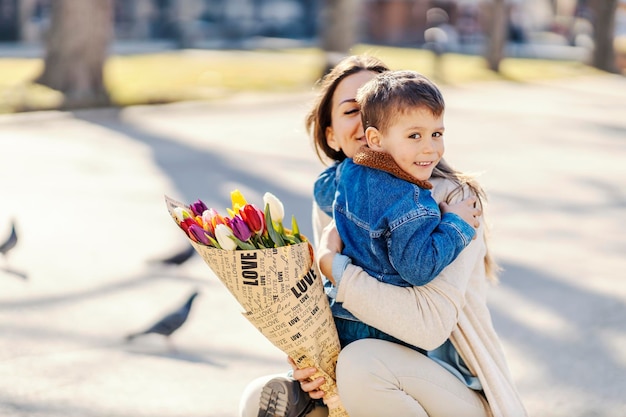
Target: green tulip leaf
x,y
276,238
242,245
295,229
214,242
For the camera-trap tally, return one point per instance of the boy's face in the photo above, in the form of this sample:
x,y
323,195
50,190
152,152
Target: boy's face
x,y
414,139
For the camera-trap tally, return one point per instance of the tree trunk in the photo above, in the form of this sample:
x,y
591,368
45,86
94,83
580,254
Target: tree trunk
x,y
76,51
497,21
603,34
338,29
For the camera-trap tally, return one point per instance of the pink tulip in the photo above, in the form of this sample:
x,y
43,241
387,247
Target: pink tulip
x,y
211,218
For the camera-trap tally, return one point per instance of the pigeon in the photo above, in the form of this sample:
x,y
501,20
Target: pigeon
x,y
178,258
170,323
6,247
15,273
11,241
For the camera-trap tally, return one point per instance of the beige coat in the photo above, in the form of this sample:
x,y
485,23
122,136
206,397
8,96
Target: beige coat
x,y
453,306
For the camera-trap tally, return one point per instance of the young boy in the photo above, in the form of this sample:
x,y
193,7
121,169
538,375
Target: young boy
x,y
384,212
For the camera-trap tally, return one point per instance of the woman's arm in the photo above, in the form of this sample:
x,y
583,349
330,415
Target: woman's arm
x,y
423,316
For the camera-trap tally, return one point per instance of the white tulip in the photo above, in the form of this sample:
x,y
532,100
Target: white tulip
x,y
223,234
277,210
180,214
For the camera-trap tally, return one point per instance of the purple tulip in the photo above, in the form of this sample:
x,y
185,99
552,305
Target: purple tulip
x,y
198,207
198,232
240,228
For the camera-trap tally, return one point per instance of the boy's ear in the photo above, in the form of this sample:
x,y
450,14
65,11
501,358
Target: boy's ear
x,y
373,137
330,139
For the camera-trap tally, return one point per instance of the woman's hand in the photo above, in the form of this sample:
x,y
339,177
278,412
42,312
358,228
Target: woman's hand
x,y
330,245
304,377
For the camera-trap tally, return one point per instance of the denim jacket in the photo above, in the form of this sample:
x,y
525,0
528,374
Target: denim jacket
x,y
325,187
391,226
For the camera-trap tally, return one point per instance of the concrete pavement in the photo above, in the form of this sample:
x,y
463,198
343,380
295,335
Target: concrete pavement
x,y
86,189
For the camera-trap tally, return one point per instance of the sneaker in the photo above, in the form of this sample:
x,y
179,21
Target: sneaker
x,y
283,397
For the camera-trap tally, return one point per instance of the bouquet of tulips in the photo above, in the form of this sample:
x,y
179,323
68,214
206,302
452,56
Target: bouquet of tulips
x,y
270,270
247,227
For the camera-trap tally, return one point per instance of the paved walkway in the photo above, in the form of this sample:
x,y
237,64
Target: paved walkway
x,y
86,189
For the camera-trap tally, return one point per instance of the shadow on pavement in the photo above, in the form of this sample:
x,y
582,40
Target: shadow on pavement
x,y
95,292
197,173
576,355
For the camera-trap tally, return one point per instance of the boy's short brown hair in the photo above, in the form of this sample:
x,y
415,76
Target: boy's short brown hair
x,y
391,93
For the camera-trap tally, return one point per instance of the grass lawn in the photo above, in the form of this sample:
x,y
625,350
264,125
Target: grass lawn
x,y
207,74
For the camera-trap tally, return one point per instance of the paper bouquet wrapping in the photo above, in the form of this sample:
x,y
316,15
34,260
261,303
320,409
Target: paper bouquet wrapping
x,y
272,274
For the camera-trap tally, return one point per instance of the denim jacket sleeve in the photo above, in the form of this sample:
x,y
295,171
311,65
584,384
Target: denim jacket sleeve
x,y
324,189
423,316
423,244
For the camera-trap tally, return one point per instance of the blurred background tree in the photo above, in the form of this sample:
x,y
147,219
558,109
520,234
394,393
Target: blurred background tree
x,y
76,49
603,36
76,38
497,18
338,31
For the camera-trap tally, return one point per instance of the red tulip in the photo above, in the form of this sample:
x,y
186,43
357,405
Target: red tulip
x,y
253,217
185,224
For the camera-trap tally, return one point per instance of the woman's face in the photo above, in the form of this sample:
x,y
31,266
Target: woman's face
x,y
346,130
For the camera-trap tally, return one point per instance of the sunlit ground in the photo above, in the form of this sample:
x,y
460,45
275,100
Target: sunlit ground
x,y
208,74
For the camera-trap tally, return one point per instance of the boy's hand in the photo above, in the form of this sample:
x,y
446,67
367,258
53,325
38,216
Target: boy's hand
x,y
466,209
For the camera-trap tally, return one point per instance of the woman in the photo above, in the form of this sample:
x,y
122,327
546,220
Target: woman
x,y
464,372
448,317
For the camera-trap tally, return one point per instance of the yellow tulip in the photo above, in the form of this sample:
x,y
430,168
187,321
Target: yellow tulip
x,y
238,201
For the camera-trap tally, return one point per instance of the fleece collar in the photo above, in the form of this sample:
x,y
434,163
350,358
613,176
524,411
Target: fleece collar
x,y
384,162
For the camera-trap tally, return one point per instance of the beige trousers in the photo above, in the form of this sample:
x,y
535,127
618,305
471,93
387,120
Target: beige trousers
x,y
378,378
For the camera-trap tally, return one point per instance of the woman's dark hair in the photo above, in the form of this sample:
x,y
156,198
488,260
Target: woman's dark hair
x,y
319,117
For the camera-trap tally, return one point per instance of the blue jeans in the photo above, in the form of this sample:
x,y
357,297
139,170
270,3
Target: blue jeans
x,y
350,331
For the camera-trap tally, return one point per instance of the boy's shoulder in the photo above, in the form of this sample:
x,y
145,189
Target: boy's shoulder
x,y
329,174
331,169
380,183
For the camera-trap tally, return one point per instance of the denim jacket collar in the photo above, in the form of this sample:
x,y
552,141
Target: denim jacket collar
x,y
384,162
